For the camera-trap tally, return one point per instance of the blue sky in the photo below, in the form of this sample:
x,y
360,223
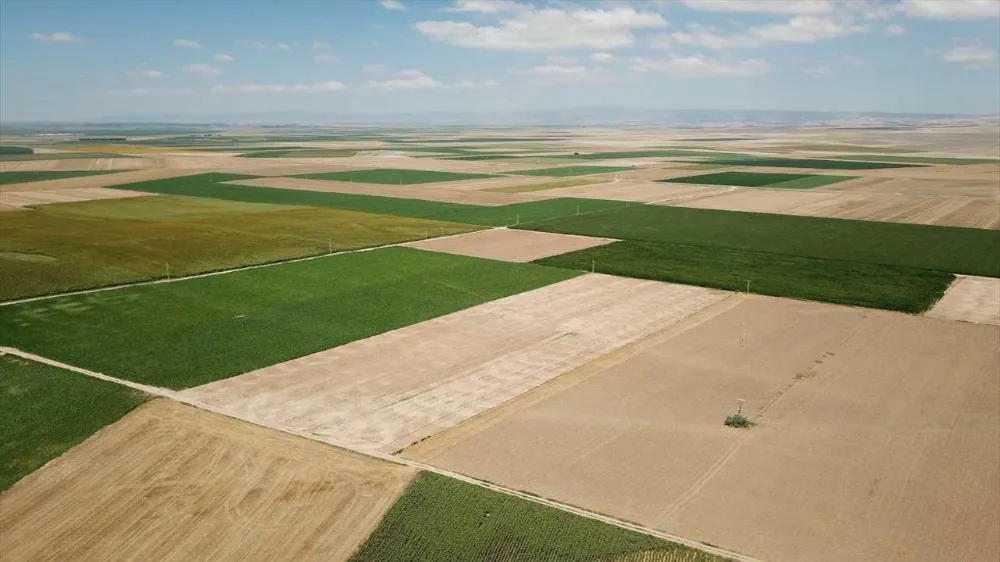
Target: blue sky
x,y
83,59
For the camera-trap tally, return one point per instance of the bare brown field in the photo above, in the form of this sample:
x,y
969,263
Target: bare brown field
x,y
173,483
642,192
510,245
970,299
424,192
30,198
389,391
877,439
982,188
410,163
100,180
78,164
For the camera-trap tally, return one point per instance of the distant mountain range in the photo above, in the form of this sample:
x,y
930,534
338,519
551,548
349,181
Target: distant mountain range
x,y
570,117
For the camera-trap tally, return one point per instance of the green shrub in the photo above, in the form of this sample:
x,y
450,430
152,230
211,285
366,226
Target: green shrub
x,y
738,420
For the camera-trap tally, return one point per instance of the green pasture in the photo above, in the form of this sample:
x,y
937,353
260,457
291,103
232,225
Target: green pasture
x,y
24,177
754,179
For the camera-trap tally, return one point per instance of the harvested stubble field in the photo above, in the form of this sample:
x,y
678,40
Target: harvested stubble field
x,y
814,163
173,483
954,250
395,176
970,299
232,323
920,160
20,198
877,434
25,177
72,246
570,171
640,191
509,245
440,519
59,156
47,411
386,392
301,153
542,186
753,179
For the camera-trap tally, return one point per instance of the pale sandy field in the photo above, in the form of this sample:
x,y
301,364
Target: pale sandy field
x,y
970,299
425,192
78,164
638,191
100,180
877,439
510,245
391,390
29,198
173,483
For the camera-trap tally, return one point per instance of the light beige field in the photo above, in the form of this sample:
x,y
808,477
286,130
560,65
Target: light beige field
x,y
970,299
391,390
638,191
29,198
78,164
173,483
877,439
424,192
100,180
944,187
510,245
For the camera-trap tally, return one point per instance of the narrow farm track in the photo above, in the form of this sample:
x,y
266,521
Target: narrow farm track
x,y
184,399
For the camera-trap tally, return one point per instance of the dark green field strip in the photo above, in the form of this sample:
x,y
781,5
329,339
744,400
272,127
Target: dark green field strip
x,y
814,163
208,185
570,171
73,246
810,182
61,156
199,330
825,280
954,250
754,179
920,159
394,176
46,411
302,153
23,177
6,149
438,519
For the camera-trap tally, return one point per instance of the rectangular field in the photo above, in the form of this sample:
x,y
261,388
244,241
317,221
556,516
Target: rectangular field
x,y
920,160
387,392
955,250
25,177
228,324
439,519
63,247
47,411
542,186
876,439
570,171
753,179
826,280
174,483
970,299
24,198
814,163
509,245
394,176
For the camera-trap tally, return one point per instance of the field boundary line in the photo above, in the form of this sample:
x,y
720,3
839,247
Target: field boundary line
x,y
241,268
178,396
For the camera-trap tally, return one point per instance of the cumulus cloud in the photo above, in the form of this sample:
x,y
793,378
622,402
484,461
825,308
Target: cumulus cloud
x,y
526,27
799,29
818,70
320,46
969,56
417,80
601,58
553,70
952,9
392,5
560,59
202,69
224,57
700,66
326,57
187,43
145,72
895,29
55,37
797,7
329,86
265,47
484,6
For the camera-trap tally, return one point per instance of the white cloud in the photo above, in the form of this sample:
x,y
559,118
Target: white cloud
x,y
799,29
417,80
700,66
321,46
326,57
952,9
601,58
202,69
150,92
392,5
560,59
55,37
818,70
282,47
797,7
188,43
553,70
264,46
970,56
895,30
484,6
525,27
330,86
224,57
146,72
376,68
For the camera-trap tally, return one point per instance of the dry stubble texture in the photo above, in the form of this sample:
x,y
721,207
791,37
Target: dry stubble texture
x,y
970,299
510,245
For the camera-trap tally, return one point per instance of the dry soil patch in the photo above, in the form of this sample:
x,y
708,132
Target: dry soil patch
x,y
29,198
970,299
510,245
639,191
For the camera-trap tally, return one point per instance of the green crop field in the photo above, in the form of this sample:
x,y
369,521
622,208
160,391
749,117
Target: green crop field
x,y
921,160
71,246
209,185
441,519
754,179
394,176
834,281
814,163
195,331
570,171
953,250
301,153
24,177
60,156
6,149
46,411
